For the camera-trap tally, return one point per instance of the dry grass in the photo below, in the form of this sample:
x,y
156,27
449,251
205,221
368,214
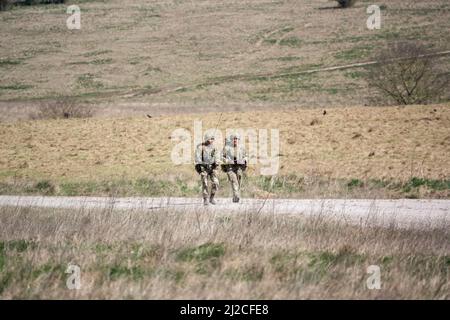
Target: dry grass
x,y
159,255
146,47
360,142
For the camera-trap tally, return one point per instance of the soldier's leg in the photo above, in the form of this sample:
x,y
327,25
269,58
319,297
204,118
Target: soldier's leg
x,y
232,177
239,179
204,179
214,175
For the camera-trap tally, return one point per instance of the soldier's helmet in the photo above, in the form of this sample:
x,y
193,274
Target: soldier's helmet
x,y
209,136
234,136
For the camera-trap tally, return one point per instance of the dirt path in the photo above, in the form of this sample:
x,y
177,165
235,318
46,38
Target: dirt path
x,y
405,213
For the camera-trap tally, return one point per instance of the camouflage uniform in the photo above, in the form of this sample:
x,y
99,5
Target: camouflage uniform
x,y
207,160
234,164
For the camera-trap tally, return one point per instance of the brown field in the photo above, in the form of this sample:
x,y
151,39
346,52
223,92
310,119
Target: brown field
x,y
179,56
406,141
164,255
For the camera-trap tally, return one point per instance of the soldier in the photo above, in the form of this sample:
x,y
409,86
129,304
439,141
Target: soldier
x,y
234,163
207,159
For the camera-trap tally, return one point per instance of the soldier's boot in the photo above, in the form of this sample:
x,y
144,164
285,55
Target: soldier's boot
x,y
235,199
205,201
211,199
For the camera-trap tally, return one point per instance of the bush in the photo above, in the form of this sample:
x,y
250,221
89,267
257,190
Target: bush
x,y
4,4
346,3
407,74
62,109
32,2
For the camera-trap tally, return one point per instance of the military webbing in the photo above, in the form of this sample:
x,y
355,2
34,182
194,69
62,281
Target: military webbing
x,y
203,150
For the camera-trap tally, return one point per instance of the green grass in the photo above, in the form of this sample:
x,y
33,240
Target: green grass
x,y
93,62
88,81
355,183
2,257
284,59
16,87
355,74
47,269
205,258
292,185
96,53
291,42
17,245
9,62
201,253
101,61
323,260
44,187
117,271
252,273
354,54
432,184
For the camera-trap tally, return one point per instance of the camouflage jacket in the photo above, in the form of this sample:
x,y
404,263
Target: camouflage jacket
x,y
207,154
234,155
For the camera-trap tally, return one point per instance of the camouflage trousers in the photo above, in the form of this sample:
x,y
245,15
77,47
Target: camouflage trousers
x,y
235,176
214,177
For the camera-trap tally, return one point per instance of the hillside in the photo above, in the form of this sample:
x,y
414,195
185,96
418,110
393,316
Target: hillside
x,y
183,56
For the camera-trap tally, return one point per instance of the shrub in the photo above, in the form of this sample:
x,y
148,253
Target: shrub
x,y
406,74
62,109
32,2
45,187
346,3
4,4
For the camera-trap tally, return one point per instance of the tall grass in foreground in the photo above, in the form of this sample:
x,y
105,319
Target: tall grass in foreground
x,y
161,254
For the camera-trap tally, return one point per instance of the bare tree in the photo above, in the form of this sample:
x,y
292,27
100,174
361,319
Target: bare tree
x,y
407,73
63,108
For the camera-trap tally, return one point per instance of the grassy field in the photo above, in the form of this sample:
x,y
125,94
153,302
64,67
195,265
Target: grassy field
x,y
160,254
147,68
179,56
355,151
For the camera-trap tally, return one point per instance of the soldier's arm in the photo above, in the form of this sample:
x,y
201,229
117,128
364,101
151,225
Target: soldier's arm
x,y
198,155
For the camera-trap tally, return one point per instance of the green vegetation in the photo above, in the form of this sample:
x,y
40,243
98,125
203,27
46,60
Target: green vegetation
x,y
281,186
291,42
88,81
202,253
118,271
15,86
96,53
10,62
415,183
354,54
355,183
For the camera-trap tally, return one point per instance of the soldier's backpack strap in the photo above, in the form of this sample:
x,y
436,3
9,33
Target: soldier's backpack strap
x,y
203,151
